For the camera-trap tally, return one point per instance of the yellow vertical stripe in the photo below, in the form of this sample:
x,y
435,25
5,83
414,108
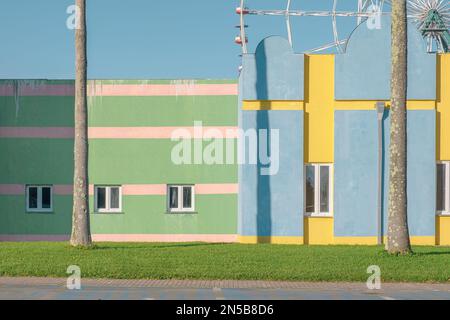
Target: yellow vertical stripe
x,y
319,108
443,107
319,230
443,230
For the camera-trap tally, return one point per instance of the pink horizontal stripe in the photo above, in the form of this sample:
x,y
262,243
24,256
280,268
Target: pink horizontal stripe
x,y
144,189
217,238
182,89
161,132
12,189
37,132
121,132
40,237
6,90
38,90
63,189
129,189
47,90
225,188
161,189
19,189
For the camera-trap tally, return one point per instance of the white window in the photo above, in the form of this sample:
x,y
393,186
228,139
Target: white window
x,y
108,198
443,187
39,198
180,198
318,189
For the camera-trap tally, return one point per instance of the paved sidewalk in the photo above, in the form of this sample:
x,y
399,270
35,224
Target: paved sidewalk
x,y
109,289
237,284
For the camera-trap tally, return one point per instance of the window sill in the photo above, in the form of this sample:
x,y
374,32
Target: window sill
x,y
107,212
309,215
180,212
40,212
443,214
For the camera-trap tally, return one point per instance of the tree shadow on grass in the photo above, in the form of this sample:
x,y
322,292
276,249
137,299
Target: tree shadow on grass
x,y
433,253
416,253
154,245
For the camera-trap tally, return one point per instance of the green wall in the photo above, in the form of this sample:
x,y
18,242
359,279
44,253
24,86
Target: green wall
x,y
162,111
36,161
143,161
15,219
36,111
114,161
215,214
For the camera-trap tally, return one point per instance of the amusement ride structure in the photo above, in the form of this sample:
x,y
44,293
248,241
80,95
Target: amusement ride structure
x,y
432,18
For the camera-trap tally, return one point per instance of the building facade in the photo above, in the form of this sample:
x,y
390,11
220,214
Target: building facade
x,y
131,173
333,178
295,151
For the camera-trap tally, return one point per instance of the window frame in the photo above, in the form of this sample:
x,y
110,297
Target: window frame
x,y
107,208
446,210
180,208
39,208
317,212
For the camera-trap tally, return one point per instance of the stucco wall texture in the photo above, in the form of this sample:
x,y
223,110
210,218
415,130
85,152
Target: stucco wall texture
x,y
130,126
321,106
336,101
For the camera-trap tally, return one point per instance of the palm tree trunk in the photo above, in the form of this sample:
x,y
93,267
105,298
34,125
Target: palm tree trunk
x,y
81,235
398,234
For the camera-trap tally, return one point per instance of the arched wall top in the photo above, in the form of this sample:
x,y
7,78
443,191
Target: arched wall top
x,y
273,72
363,71
277,45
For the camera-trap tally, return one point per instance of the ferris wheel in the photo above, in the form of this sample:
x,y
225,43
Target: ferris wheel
x,y
432,18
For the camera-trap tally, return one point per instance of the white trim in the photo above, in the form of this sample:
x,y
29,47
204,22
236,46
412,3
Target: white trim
x,y
446,210
180,208
317,212
107,208
39,208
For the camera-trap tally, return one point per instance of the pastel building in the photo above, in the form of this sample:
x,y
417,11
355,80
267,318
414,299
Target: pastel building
x,y
137,192
333,178
330,119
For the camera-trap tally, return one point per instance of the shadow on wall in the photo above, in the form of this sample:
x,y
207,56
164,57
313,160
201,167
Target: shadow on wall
x,y
263,215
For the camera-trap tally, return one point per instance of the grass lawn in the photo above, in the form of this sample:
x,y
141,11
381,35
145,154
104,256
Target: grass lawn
x,y
223,261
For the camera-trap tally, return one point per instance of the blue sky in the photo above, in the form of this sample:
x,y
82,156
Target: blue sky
x,y
147,39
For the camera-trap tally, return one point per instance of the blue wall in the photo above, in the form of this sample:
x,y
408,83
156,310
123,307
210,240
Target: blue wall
x,y
363,72
355,173
421,171
273,205
274,72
